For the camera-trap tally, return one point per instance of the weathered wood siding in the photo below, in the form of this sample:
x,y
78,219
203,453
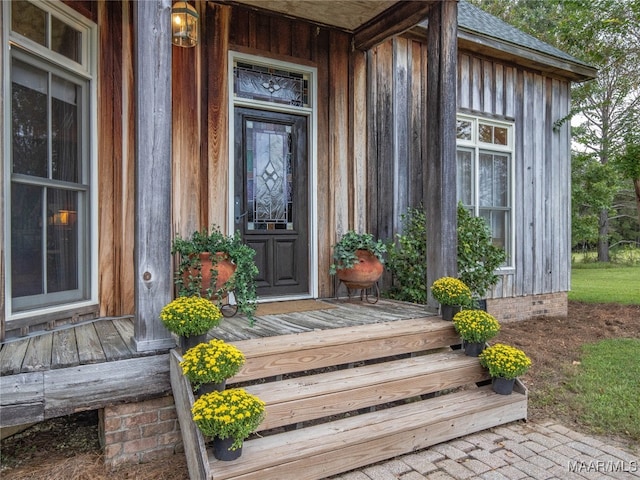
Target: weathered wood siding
x,y
542,167
494,89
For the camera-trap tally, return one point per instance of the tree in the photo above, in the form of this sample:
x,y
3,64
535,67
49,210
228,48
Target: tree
x,y
605,109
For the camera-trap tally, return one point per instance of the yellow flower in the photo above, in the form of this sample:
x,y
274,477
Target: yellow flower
x,y
237,414
451,291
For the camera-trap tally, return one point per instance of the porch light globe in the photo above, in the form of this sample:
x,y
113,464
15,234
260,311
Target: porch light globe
x,y
184,25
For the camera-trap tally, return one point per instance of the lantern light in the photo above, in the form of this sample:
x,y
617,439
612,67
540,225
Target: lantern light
x,y
184,25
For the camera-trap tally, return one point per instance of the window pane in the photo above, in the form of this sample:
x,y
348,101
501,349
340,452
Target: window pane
x,y
62,240
486,184
501,180
497,220
463,130
29,119
485,132
66,40
29,21
464,183
500,136
494,180
26,240
65,131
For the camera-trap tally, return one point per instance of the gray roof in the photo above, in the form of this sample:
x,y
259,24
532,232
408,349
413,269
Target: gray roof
x,y
476,20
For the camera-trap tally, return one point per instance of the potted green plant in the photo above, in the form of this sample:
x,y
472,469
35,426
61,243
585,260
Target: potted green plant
x,y
505,364
190,318
228,417
358,259
212,264
475,327
452,294
208,365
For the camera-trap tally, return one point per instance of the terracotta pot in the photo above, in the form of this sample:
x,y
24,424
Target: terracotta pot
x,y
224,267
364,273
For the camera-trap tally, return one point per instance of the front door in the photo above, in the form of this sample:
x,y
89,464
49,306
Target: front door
x,y
271,203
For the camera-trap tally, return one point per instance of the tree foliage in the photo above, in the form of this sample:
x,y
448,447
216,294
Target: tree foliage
x,y
605,34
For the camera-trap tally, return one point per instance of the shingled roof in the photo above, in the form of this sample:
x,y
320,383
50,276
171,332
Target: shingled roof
x,y
481,32
477,20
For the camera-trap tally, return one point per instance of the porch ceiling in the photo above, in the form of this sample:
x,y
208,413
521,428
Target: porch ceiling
x,y
371,21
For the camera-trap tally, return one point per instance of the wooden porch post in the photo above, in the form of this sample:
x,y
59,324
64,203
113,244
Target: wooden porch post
x,y
440,162
153,284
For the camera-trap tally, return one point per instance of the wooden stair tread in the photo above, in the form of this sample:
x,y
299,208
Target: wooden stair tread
x,y
316,396
272,356
370,437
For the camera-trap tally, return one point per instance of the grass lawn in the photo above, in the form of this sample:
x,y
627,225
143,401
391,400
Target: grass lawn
x,y
607,387
605,283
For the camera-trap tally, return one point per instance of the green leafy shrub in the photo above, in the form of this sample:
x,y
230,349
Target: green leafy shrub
x,y
407,259
478,258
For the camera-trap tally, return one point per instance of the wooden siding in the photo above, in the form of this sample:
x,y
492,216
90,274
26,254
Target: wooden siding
x,y
489,88
116,147
534,102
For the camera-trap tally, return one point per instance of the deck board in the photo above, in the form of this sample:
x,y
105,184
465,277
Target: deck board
x,y
12,356
113,345
65,349
103,340
38,355
89,346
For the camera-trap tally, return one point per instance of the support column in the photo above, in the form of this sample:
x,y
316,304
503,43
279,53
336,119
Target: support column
x,y
440,161
153,283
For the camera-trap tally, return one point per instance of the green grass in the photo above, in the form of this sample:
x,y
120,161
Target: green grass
x,y
607,386
605,283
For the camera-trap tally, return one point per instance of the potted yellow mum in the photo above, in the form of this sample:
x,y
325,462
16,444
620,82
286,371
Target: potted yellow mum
x,y
505,364
475,327
228,418
209,365
452,294
190,318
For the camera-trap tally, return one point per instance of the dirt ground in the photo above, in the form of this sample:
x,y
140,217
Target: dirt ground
x,y
68,448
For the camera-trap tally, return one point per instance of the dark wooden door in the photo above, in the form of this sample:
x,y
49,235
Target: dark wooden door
x,y
272,197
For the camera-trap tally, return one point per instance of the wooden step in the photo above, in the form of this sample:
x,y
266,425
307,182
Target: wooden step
x,y
316,396
342,398
331,448
272,356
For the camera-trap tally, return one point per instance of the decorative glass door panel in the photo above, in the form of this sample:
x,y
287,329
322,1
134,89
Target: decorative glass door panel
x,y
271,191
269,181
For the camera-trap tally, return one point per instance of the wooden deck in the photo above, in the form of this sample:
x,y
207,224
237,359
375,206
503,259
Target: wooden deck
x,y
89,365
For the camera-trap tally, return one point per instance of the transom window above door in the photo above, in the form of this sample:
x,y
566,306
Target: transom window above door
x,y
269,84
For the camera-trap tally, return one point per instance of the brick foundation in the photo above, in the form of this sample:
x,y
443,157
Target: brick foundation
x,y
531,306
139,432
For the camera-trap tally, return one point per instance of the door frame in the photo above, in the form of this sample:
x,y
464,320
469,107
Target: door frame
x,y
310,113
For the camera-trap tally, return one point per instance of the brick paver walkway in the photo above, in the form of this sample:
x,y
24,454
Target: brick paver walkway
x,y
511,452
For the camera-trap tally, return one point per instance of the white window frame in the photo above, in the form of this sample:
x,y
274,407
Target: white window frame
x,y
476,147
85,70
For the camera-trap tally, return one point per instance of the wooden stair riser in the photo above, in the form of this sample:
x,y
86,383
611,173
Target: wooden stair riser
x,y
340,397
265,361
355,442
